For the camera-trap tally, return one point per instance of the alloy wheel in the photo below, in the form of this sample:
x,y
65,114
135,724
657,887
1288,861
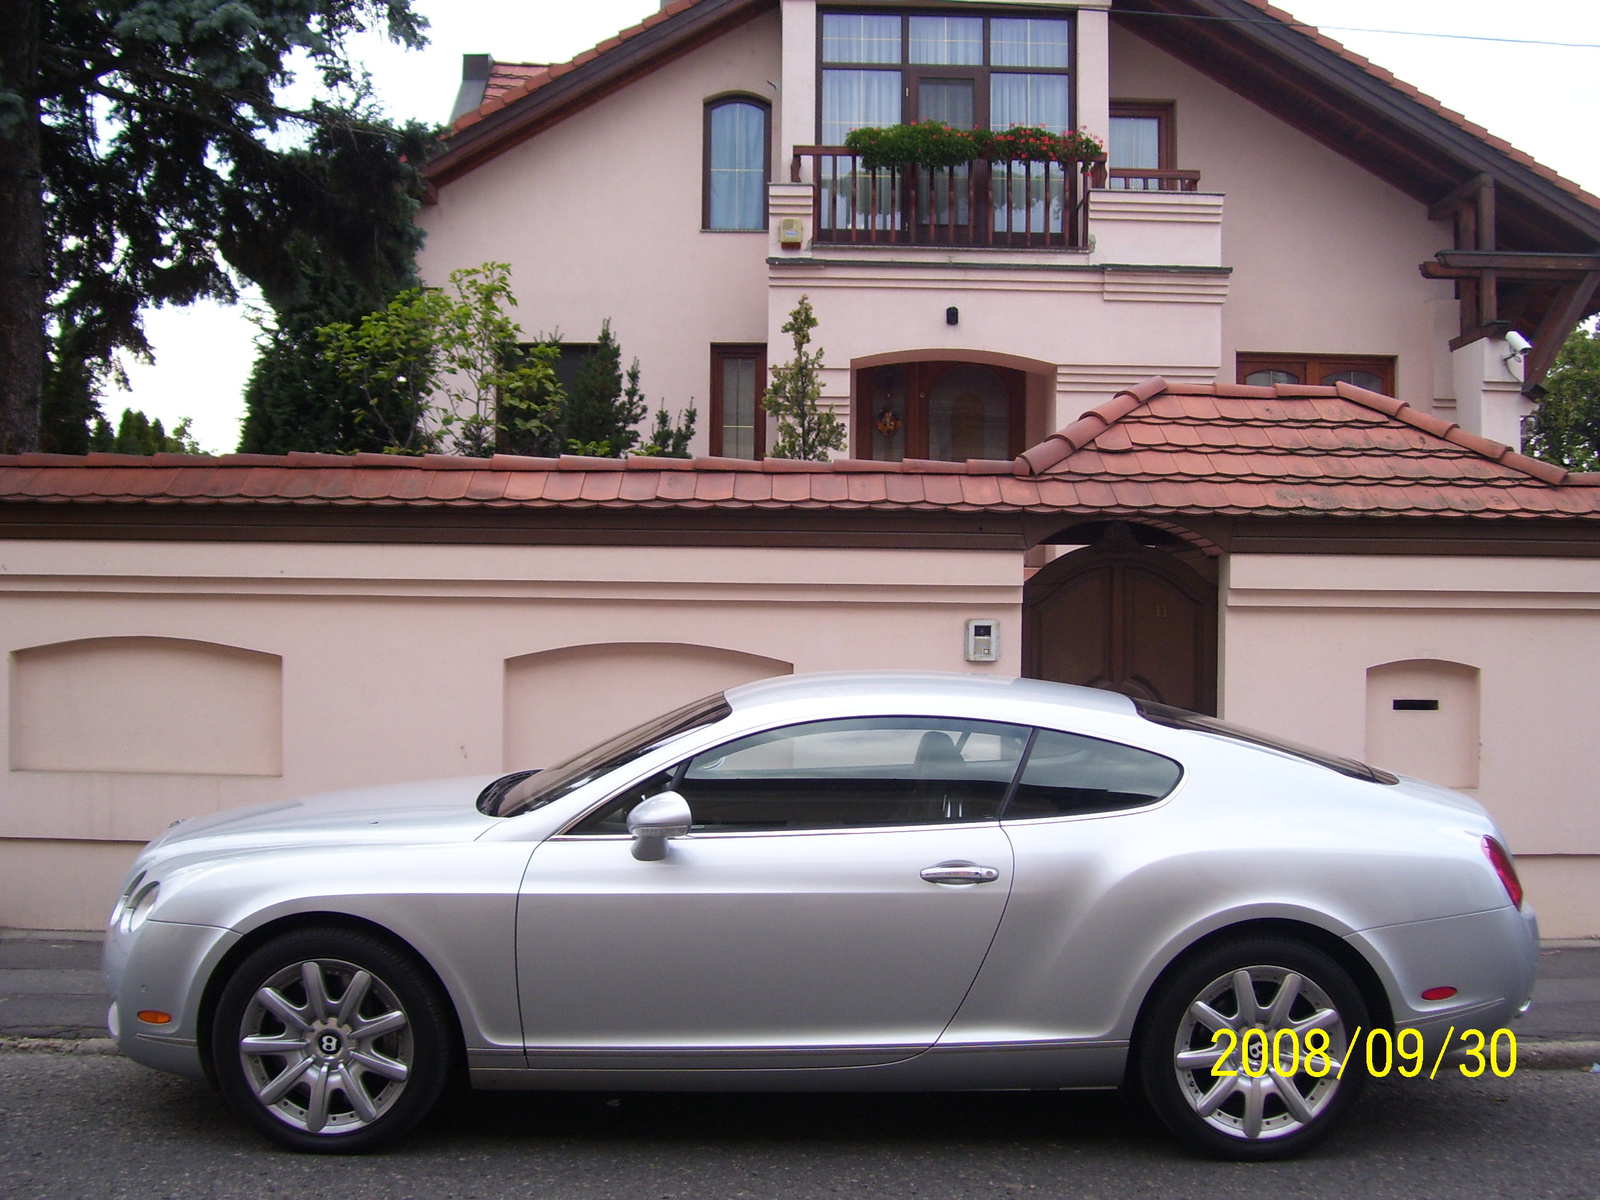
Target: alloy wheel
x,y
1244,1017
326,1046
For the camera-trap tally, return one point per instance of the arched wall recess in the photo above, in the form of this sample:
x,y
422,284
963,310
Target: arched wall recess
x,y
1422,720
557,702
146,705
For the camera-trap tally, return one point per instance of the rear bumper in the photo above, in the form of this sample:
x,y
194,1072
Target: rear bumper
x,y
1490,958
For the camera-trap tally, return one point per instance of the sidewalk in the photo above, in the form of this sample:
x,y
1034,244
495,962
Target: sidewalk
x,y
50,988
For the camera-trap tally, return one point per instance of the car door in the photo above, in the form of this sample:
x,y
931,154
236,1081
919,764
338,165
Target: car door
x,y
831,905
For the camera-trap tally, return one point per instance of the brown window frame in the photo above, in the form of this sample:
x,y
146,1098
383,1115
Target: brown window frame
x,y
921,376
709,105
1313,367
911,73
720,353
1166,114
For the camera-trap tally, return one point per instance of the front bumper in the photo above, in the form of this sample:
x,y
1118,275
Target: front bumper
x,y
163,967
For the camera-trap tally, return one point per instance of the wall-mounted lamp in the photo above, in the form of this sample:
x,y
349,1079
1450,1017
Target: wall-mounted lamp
x,y
952,315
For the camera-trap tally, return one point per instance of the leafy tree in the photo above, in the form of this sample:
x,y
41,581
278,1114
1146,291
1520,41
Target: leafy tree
x,y
440,371
805,430
146,159
602,410
1566,426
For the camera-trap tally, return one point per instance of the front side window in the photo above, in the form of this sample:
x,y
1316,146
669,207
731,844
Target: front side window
x,y
736,156
844,774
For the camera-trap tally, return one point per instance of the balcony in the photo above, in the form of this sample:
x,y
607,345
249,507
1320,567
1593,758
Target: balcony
x,y
979,204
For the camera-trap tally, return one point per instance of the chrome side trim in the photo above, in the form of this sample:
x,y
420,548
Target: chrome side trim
x,y
831,831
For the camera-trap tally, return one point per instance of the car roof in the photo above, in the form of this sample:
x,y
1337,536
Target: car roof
x,y
923,686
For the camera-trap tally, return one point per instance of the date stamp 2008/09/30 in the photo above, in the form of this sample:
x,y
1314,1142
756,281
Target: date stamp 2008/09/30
x,y
1251,1052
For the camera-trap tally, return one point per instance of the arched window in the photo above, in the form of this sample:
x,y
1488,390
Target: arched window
x,y
737,151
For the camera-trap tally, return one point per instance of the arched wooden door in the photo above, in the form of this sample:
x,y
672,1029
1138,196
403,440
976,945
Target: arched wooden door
x,y
1127,618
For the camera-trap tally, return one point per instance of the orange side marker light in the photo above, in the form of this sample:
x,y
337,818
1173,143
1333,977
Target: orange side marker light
x,y
151,1016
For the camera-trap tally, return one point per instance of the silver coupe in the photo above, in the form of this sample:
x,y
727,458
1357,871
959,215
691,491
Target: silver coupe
x,y
833,883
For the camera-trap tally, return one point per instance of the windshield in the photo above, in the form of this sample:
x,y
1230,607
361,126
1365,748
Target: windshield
x,y
523,791
1182,718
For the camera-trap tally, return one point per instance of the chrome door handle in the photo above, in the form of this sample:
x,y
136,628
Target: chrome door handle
x,y
960,873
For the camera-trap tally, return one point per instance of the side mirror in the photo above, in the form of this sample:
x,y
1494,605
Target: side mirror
x,y
665,815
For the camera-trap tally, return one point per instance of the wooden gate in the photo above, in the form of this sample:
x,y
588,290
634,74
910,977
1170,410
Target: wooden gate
x,y
1125,617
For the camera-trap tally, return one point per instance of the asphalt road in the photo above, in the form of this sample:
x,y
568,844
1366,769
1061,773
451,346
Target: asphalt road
x,y
103,1127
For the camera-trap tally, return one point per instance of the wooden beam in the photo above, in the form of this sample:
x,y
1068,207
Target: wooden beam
x,y
1486,222
1436,270
1493,329
1519,260
1571,306
1447,204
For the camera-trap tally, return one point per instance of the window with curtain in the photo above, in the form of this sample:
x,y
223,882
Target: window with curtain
x,y
736,158
738,381
1141,140
984,72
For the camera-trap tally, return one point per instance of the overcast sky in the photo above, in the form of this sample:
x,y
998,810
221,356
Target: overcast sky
x,y
1544,99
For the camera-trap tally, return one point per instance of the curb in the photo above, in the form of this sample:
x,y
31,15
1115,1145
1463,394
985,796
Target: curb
x,y
1558,1056
38,1045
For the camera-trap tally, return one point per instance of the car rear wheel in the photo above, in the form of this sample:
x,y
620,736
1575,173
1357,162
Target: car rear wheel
x,y
331,1040
1242,1053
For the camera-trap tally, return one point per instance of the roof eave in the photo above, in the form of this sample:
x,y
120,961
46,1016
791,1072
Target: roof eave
x,y
1471,154
587,83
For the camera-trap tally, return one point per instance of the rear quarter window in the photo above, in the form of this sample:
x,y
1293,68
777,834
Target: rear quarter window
x,y
1067,774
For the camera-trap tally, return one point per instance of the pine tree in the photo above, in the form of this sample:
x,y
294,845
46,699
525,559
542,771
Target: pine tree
x,y
805,430
668,438
601,411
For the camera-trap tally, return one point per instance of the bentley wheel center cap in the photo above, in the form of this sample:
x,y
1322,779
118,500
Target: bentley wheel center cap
x,y
328,1040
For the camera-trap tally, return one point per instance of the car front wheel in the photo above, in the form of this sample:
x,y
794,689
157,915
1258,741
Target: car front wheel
x,y
1243,1052
331,1040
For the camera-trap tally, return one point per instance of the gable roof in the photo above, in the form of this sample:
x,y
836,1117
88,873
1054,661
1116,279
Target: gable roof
x,y
1155,449
1365,113
1293,450
1257,50
546,95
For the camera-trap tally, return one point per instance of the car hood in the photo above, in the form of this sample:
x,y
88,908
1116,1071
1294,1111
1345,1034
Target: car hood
x,y
440,810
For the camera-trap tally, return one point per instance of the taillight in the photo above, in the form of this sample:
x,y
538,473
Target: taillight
x,y
1504,867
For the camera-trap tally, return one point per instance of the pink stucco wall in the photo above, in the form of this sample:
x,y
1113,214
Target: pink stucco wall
x,y
1324,253
600,217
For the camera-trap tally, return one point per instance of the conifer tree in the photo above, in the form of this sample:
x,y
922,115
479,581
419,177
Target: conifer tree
x,y
805,429
601,409
147,157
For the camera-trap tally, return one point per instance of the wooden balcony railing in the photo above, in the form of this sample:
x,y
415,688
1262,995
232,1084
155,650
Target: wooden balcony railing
x,y
1138,179
1041,205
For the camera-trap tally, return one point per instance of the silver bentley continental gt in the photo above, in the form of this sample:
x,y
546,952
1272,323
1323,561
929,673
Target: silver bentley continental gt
x,y
833,883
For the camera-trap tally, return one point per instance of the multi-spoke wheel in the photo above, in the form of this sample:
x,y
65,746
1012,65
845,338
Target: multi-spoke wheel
x,y
1242,1053
331,1040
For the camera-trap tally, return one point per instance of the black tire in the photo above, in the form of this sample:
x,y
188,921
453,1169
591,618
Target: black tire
x,y
1249,1120
322,1074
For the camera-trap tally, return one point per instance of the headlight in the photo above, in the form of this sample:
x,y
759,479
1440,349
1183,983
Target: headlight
x,y
121,905
140,908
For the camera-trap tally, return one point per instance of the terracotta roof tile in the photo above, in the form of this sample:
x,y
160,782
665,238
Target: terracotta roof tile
x,y
1149,450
